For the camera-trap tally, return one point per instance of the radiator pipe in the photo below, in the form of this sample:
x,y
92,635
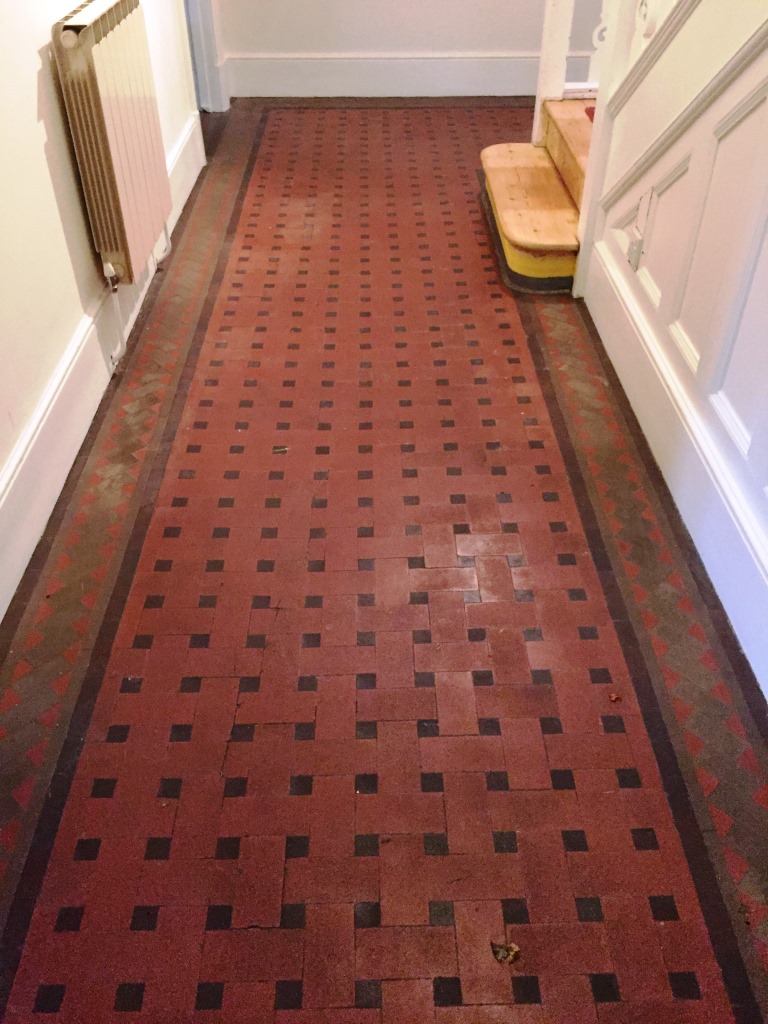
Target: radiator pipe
x,y
168,245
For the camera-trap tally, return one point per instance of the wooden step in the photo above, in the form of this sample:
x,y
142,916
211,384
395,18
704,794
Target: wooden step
x,y
535,219
567,135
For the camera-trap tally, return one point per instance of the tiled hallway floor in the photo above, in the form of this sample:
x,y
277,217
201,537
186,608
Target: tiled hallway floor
x,y
366,636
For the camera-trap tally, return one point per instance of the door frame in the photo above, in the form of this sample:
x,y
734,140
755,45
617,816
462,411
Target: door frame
x,y
209,69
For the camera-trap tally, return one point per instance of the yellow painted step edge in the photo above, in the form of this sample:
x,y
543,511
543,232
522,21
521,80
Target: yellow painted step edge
x,y
526,263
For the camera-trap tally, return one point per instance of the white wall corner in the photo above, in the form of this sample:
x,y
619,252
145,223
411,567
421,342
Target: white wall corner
x,y
37,467
717,510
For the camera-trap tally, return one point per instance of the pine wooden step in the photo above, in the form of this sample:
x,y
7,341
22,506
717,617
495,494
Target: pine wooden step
x,y
533,208
567,135
533,214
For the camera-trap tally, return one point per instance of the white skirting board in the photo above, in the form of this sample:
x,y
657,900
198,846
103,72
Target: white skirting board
x,y
715,510
381,74
37,467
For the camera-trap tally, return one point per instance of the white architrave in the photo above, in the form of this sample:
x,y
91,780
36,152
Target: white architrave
x,y
210,72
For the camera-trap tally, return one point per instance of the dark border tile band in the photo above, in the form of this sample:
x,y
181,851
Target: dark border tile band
x,y
36,863
718,921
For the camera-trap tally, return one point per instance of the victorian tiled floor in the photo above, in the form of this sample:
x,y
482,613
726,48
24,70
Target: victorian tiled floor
x,y
365,636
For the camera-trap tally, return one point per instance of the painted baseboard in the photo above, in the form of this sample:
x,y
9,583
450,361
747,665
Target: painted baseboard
x,y
37,468
715,507
35,472
382,74
184,162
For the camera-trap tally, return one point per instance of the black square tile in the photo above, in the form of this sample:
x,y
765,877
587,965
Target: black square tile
x,y
49,998
131,684
664,908
684,985
418,597
589,908
605,988
496,782
541,676
209,995
310,640
367,845
424,679
296,847
441,913
367,995
191,684
489,726
482,677
574,840
304,731
367,783
118,733
169,789
313,601
447,992
432,782
600,676
243,732
260,601
427,728
644,839
475,635
365,681
218,918
293,915
422,636
180,734
236,786
366,600
227,848
300,785
144,918
103,789
435,844
525,989
129,997
87,849
562,778
613,724
505,842
307,683
249,684
367,915
515,911
628,778
69,919
158,848
550,726
366,730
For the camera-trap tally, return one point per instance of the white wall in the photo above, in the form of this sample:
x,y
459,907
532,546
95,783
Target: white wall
x,y
366,48
57,329
685,134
